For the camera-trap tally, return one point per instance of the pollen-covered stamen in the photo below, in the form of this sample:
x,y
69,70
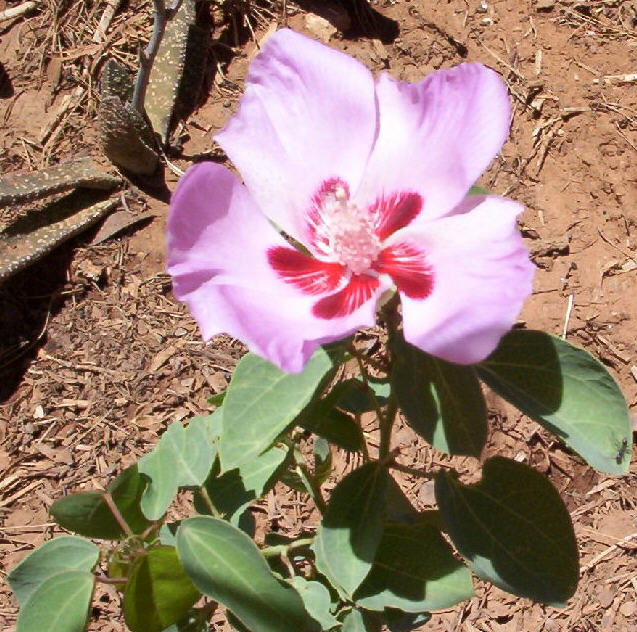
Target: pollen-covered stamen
x,y
341,231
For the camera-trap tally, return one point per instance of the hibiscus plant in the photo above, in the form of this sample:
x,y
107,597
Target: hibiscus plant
x,y
355,209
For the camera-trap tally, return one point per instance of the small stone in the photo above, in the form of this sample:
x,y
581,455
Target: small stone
x,y
544,5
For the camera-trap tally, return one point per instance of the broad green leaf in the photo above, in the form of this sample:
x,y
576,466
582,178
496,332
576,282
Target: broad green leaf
x,y
333,425
65,553
414,570
356,398
442,402
87,514
566,390
225,564
351,530
317,600
58,604
158,592
514,529
182,458
261,402
357,621
234,490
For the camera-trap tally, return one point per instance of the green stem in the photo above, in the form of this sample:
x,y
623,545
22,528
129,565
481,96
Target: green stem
x,y
284,549
386,426
110,503
203,492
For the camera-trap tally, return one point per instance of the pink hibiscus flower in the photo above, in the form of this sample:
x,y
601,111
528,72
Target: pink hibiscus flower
x,y
369,178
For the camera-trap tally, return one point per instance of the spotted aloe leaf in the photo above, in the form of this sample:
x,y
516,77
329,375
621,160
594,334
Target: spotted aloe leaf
x,y
116,82
175,68
34,235
26,187
126,137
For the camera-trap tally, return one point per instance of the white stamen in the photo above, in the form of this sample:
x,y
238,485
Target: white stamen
x,y
349,232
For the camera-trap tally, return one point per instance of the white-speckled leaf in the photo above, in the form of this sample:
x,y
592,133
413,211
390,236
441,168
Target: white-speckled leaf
x,y
126,137
115,81
31,237
167,71
24,187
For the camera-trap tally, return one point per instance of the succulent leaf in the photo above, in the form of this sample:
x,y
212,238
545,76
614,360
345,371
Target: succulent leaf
x,y
24,187
115,81
126,137
35,235
171,72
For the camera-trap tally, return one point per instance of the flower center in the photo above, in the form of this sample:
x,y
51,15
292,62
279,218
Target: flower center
x,y
349,233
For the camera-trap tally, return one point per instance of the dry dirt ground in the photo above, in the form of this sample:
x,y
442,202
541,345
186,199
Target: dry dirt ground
x,y
96,357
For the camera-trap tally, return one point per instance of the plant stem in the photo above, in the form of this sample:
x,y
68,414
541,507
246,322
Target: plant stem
x,y
102,579
108,499
308,480
284,549
203,492
409,470
386,426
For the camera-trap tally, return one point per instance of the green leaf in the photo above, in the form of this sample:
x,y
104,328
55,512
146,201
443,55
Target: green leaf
x,y
234,490
351,530
414,570
65,553
356,398
158,592
357,621
442,402
478,190
217,399
58,604
514,529
87,514
317,600
182,458
398,621
225,564
566,390
261,402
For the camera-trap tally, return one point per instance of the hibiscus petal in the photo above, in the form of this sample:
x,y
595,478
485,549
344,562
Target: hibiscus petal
x,y
408,269
482,275
310,275
218,245
358,291
395,212
308,114
437,136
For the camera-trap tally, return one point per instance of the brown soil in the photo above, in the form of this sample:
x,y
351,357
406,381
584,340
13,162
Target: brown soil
x,y
96,357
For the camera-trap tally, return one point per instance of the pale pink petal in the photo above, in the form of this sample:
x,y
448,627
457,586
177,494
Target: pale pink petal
x,y
218,244
481,275
308,115
437,136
